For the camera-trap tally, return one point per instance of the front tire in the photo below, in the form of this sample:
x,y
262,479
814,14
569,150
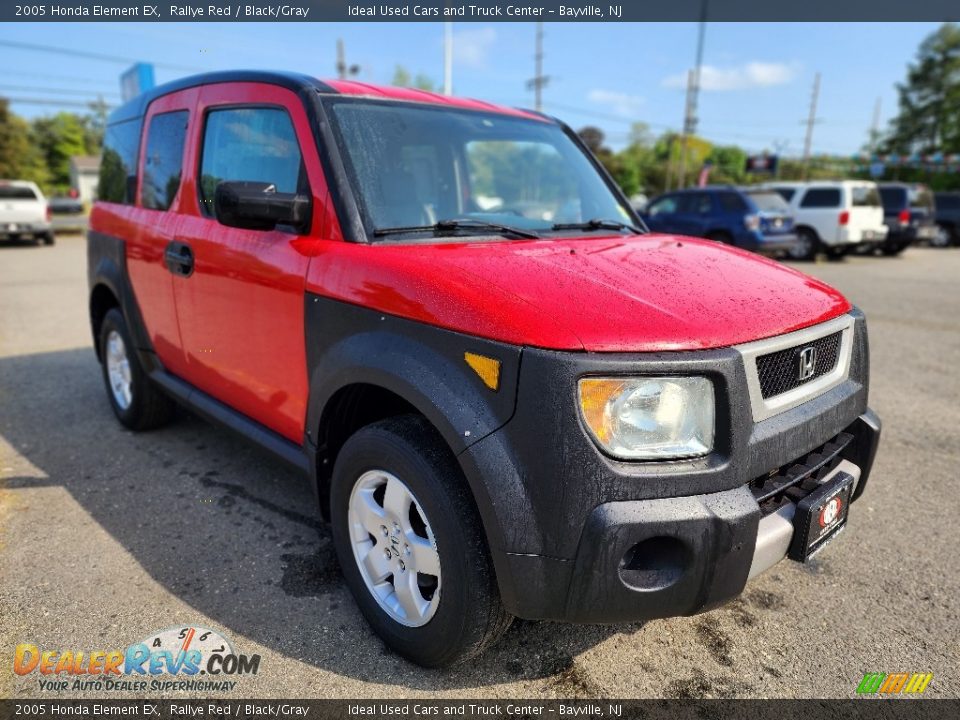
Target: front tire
x,y
136,401
411,545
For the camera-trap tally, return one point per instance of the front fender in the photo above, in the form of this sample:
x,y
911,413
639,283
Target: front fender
x,y
425,366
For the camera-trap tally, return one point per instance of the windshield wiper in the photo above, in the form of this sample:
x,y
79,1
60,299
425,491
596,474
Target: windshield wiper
x,y
598,224
457,225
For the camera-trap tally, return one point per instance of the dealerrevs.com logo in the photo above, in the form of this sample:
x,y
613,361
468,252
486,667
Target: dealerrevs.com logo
x,y
187,658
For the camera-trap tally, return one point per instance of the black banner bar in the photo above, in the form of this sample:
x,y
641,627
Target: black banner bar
x,y
166,709
477,11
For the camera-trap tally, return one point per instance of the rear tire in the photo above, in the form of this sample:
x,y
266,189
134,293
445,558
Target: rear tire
x,y
136,401
836,253
892,250
806,247
397,491
943,238
48,238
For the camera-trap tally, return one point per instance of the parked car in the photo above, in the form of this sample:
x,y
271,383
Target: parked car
x,y
67,214
909,214
501,414
24,213
752,219
946,208
833,217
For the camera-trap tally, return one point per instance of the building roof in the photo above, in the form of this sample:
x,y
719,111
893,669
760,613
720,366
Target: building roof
x,y
86,162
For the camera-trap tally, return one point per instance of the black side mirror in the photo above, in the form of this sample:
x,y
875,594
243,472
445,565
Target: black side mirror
x,y
258,206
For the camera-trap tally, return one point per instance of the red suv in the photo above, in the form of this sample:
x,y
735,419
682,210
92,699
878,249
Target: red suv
x,y
510,399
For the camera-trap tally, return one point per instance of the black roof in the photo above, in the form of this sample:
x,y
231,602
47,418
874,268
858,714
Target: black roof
x,y
135,108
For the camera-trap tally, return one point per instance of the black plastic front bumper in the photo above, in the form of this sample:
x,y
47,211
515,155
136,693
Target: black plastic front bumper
x,y
579,536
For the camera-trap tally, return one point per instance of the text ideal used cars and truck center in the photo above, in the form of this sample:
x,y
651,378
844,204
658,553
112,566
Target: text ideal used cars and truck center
x,y
510,398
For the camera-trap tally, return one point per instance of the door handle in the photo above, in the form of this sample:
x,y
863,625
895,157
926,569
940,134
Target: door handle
x,y
179,258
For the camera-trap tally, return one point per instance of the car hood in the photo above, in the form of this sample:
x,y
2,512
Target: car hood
x,y
605,294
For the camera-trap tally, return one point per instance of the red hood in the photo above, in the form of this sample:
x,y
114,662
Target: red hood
x,y
641,293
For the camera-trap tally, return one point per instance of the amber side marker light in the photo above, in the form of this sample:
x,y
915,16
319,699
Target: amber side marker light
x,y
487,368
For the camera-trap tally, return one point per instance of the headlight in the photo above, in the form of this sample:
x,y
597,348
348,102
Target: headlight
x,y
649,418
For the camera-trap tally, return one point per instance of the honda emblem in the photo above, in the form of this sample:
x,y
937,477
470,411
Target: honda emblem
x,y
808,363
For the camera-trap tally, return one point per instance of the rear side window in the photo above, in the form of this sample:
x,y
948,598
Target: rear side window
x,y
821,198
118,168
732,202
865,196
695,203
920,197
768,201
948,202
163,164
248,145
16,192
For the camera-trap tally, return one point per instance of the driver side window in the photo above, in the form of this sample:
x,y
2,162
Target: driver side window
x,y
248,144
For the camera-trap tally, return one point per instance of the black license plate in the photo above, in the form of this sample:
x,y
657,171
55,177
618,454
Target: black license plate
x,y
820,517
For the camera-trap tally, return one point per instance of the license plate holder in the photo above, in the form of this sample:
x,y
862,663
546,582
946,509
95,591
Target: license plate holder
x,y
820,517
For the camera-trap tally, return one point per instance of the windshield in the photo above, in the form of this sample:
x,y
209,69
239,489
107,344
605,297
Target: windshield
x,y
769,201
416,166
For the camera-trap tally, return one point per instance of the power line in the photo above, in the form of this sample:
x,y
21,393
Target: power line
x,y
59,78
58,103
59,91
91,55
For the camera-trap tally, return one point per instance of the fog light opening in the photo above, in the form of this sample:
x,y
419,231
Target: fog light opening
x,y
654,564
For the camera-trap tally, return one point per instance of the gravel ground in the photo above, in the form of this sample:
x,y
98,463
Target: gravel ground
x,y
107,536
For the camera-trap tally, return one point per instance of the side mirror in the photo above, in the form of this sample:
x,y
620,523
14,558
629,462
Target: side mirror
x,y
258,206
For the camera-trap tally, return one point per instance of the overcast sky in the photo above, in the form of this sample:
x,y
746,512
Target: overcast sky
x,y
757,77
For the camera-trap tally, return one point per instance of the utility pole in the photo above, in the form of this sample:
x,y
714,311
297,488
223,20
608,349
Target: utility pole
x,y
539,81
689,128
344,70
875,126
448,58
811,121
778,147
693,91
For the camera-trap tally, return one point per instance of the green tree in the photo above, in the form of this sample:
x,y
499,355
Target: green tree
x,y
403,78
20,158
59,138
929,104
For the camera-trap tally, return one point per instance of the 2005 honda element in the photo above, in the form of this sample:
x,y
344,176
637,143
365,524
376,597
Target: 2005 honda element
x,y
510,398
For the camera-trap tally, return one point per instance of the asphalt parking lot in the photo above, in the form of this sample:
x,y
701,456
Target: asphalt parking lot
x,y
108,536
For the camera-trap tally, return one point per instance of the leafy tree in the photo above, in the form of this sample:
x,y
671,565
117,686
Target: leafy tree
x,y
403,78
929,113
20,158
59,138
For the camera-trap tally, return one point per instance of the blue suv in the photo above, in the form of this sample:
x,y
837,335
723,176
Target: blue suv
x,y
753,219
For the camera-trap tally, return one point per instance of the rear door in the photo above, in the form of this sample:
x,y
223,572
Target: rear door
x,y
155,218
241,309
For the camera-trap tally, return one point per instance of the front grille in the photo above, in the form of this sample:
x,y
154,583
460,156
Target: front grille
x,y
794,481
780,371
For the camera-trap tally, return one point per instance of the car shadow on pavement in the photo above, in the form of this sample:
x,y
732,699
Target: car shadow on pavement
x,y
231,532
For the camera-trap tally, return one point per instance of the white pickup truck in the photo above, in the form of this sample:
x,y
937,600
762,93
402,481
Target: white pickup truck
x,y
24,212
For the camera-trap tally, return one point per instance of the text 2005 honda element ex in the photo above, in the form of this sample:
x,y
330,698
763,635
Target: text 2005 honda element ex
x,y
510,398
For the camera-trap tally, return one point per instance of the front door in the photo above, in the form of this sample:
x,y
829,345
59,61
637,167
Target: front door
x,y
241,309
